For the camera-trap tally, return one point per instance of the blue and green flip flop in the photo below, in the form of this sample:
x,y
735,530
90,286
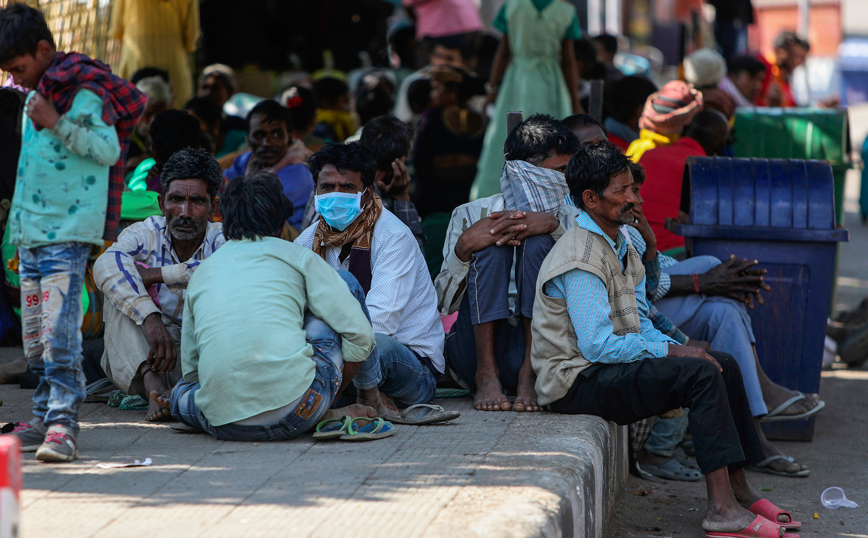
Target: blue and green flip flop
x,y
376,428
332,428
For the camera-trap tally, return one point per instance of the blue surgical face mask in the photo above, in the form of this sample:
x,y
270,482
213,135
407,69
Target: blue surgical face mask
x,y
339,209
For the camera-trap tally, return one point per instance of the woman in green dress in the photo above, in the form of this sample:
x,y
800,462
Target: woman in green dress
x,y
534,72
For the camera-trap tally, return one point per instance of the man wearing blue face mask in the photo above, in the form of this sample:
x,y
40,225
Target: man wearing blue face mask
x,y
356,233
493,251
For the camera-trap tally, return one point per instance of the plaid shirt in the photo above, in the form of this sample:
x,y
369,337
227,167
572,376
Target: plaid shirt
x,y
123,105
532,188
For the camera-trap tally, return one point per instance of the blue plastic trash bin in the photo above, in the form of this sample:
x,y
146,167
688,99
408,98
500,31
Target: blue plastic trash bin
x,y
853,63
782,213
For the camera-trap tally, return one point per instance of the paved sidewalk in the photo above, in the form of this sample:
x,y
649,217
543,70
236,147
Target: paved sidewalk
x,y
486,475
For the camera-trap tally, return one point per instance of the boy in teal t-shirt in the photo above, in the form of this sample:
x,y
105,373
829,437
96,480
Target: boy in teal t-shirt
x,y
75,134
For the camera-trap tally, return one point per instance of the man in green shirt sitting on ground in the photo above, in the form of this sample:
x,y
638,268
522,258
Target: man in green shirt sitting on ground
x,y
260,360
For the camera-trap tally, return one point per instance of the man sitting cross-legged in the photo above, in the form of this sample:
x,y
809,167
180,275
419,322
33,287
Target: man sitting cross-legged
x,y
489,345
145,273
357,234
261,361
595,351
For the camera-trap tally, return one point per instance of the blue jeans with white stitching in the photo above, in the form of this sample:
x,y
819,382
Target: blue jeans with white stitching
x,y
52,278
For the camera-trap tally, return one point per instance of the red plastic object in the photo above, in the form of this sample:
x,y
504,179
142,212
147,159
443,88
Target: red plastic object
x,y
10,485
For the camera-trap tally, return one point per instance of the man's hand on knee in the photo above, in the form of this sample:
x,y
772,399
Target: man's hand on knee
x,y
701,344
161,348
503,228
736,280
676,350
486,232
518,229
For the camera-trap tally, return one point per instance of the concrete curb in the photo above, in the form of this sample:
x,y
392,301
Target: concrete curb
x,y
486,475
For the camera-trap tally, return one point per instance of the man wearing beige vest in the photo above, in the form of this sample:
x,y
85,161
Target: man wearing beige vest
x,y
595,352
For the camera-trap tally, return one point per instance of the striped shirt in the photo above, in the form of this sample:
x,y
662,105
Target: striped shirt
x,y
658,281
589,309
150,243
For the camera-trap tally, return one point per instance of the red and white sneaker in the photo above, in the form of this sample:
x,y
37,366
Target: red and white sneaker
x,y
60,445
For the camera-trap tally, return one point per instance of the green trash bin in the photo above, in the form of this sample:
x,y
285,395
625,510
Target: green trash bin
x,y
798,133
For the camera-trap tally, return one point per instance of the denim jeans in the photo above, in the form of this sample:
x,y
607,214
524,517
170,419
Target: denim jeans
x,y
398,372
666,435
51,315
327,380
721,321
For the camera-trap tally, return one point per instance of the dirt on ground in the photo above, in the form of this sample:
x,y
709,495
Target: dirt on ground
x,y
838,456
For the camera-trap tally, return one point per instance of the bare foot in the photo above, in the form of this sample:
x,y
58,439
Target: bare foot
x,y
526,399
9,373
154,384
159,407
490,396
382,404
781,465
733,520
353,411
775,395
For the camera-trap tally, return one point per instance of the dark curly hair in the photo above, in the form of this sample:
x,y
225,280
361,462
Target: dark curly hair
x,y
190,163
536,138
254,207
386,138
344,157
593,167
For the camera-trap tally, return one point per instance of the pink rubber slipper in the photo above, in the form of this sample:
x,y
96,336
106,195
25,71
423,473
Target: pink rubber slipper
x,y
771,512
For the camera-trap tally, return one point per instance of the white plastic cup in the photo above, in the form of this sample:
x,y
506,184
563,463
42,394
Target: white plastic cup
x,y
834,498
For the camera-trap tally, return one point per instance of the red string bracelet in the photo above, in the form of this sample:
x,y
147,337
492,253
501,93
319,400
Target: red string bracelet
x,y
696,283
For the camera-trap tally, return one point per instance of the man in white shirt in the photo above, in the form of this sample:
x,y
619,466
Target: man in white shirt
x,y
357,234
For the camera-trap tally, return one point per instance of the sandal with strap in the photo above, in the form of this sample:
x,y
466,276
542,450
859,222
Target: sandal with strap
x,y
332,428
771,512
377,428
420,414
759,528
673,470
765,467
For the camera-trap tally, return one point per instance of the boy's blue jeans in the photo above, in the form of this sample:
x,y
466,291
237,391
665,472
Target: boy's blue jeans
x,y
51,315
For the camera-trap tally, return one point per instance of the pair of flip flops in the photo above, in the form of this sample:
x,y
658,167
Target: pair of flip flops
x,y
347,428
419,414
126,402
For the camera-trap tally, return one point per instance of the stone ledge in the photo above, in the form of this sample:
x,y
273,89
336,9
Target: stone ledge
x,y
487,475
